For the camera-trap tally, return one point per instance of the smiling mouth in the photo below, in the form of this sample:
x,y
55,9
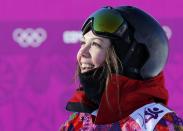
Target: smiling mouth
x,y
86,67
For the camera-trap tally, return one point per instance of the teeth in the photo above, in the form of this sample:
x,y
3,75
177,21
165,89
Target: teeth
x,y
86,69
85,65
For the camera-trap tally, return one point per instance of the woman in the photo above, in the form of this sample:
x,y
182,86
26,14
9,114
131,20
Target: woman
x,y
120,62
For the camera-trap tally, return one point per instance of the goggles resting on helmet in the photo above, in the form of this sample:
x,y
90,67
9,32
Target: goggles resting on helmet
x,y
106,22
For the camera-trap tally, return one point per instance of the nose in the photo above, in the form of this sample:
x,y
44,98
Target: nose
x,y
84,51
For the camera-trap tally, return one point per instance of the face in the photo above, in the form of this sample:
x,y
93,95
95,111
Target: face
x,y
92,52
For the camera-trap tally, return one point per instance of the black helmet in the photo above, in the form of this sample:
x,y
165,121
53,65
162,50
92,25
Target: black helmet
x,y
138,39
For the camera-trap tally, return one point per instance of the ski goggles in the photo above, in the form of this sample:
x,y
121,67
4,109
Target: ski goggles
x,y
106,22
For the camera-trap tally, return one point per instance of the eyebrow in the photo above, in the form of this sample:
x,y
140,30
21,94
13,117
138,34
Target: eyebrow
x,y
83,38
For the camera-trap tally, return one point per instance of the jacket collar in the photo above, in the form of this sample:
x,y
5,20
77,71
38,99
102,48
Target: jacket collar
x,y
121,97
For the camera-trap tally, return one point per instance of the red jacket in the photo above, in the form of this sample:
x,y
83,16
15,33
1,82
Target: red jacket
x,y
121,97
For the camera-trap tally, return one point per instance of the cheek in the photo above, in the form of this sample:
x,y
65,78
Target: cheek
x,y
98,58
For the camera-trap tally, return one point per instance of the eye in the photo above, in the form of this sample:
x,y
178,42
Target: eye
x,y
96,44
82,43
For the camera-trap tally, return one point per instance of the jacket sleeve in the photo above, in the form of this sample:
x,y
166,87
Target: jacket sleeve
x,y
72,124
170,122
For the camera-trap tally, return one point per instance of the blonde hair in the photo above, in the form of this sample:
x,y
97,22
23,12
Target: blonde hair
x,y
113,62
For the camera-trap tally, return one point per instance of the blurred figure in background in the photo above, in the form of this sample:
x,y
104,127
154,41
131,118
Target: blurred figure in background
x,y
120,68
